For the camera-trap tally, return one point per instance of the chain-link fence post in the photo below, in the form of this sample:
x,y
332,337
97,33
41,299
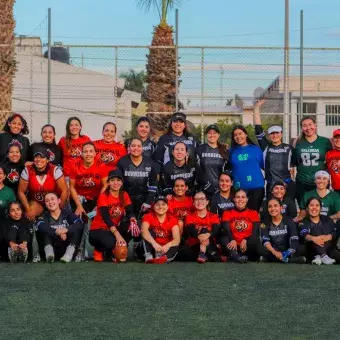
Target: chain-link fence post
x,y
31,97
202,94
116,83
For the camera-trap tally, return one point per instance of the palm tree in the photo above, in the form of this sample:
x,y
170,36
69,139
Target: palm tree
x,y
134,81
7,61
161,68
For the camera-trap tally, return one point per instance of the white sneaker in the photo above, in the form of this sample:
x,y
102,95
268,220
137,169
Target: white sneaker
x,y
148,257
78,257
68,256
317,260
36,258
327,260
49,253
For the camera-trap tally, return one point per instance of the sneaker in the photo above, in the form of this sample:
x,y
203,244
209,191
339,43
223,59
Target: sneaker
x,y
98,256
78,258
36,258
263,259
242,259
224,259
317,260
12,255
23,255
327,260
160,260
202,258
68,256
49,254
148,258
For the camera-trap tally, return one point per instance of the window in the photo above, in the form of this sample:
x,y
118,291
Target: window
x,y
309,109
332,115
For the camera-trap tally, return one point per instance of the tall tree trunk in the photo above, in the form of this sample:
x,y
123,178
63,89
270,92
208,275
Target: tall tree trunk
x,y
7,58
161,80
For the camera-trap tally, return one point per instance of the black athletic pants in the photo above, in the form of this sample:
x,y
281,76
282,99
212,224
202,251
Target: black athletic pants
x,y
255,197
329,248
301,189
16,235
263,251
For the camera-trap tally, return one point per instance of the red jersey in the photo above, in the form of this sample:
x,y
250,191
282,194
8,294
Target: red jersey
x,y
73,153
182,208
110,154
241,222
333,166
116,210
200,223
39,186
88,180
163,230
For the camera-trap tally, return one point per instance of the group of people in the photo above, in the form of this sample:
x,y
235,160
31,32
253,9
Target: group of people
x,y
175,199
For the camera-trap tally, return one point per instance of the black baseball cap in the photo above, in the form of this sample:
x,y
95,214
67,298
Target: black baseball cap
x,y
278,183
41,152
115,174
179,116
212,127
161,198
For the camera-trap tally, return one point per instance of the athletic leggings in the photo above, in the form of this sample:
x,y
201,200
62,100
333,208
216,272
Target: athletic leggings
x,y
55,241
148,248
263,251
329,248
105,241
255,198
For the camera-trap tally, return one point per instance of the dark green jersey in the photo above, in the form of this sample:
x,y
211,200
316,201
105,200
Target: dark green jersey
x,y
330,203
310,158
6,197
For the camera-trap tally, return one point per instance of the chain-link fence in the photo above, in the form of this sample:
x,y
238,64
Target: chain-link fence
x,y
216,83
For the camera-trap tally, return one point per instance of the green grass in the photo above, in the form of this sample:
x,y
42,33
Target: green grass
x,y
176,301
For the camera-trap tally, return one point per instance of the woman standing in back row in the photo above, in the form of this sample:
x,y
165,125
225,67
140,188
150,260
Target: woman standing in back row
x,y
309,156
72,144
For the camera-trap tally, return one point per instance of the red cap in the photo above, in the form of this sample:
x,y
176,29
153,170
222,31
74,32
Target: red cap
x,y
336,132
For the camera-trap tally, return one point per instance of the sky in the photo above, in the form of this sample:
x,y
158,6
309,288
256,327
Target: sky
x,y
201,22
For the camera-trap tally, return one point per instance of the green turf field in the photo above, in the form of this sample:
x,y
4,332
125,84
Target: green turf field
x,y
176,301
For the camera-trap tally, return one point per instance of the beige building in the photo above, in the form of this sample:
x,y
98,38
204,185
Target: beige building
x,y
321,98
75,91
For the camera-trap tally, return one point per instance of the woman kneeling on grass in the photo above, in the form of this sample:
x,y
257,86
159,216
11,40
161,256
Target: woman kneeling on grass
x,y
319,233
160,233
279,236
109,228
240,227
61,230
200,232
17,229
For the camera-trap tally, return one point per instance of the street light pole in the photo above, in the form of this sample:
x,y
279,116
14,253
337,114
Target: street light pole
x,y
286,76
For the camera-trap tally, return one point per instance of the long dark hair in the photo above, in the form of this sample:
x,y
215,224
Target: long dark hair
x,y
120,195
17,203
188,161
240,127
9,148
222,150
53,129
185,131
68,133
228,173
24,130
302,135
310,199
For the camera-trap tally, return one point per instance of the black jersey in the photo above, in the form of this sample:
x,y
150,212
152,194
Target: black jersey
x,y
326,226
166,143
220,204
23,228
277,159
53,151
210,165
9,139
149,147
171,171
141,180
67,219
13,171
288,209
282,236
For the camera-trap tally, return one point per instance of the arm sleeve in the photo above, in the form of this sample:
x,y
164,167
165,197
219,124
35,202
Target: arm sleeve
x,y
129,211
43,226
293,235
292,211
58,173
261,137
159,152
25,174
192,230
25,231
260,158
265,235
304,229
75,223
226,230
105,213
152,185
213,205
166,182
216,227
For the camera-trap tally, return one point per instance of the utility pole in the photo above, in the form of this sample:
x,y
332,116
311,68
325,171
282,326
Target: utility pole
x,y
49,69
286,76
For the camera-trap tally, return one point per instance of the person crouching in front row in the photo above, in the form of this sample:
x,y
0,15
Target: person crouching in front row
x,y
61,230
160,232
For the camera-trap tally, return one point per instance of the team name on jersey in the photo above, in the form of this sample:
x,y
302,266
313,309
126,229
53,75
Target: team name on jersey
x,y
284,150
136,173
185,175
226,205
63,224
211,155
148,147
88,175
188,141
15,226
278,232
310,150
